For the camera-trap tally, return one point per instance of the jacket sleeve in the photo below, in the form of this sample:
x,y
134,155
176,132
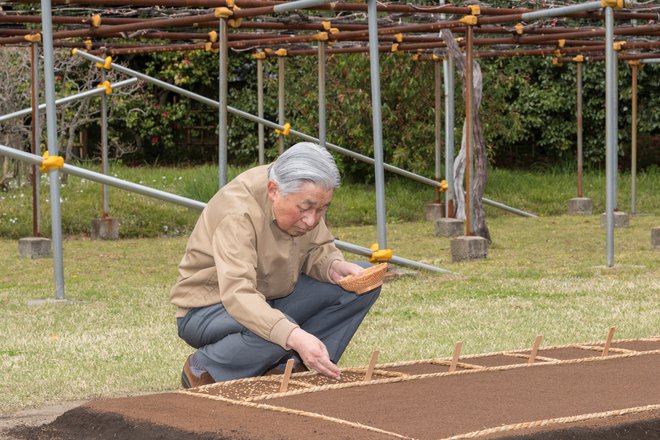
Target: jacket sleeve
x,y
321,254
235,255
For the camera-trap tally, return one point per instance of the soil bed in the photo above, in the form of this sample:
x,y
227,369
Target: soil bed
x,y
617,397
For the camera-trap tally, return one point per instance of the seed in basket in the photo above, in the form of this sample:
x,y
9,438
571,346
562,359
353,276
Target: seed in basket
x,y
366,280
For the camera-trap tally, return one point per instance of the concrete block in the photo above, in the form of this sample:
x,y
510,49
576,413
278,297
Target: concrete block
x,y
655,237
449,227
105,228
621,219
468,248
34,247
434,211
580,206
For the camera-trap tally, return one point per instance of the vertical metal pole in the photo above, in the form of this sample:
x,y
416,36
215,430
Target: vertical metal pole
x,y
280,102
260,109
448,67
322,126
53,150
610,133
469,62
36,221
104,144
438,123
633,147
578,81
374,64
222,125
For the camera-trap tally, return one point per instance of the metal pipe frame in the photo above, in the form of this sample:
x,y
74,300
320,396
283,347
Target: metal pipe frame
x,y
280,102
273,125
563,10
184,201
322,105
82,95
448,75
340,6
223,64
610,134
469,123
53,150
374,68
580,155
36,174
633,141
437,123
104,144
260,110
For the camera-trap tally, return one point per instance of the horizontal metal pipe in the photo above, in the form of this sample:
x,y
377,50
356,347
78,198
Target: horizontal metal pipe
x,y
562,10
85,94
182,201
107,180
359,250
299,4
266,122
508,208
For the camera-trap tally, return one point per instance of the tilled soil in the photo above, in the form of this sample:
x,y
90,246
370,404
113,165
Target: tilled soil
x,y
434,406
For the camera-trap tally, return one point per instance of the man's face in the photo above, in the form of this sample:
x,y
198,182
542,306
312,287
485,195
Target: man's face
x,y
299,212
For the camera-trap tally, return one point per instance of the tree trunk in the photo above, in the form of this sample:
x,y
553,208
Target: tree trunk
x,y
478,183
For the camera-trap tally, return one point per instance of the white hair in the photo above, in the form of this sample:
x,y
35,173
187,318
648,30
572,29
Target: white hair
x,y
305,162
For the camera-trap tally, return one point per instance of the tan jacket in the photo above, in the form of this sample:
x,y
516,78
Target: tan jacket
x,y
237,256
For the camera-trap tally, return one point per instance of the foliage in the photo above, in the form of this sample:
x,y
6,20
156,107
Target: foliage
x,y
543,193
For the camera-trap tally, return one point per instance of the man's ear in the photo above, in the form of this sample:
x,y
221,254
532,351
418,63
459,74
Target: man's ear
x,y
272,190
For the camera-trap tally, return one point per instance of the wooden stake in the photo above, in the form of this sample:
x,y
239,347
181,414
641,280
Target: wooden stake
x,y
287,375
372,365
454,359
610,335
535,349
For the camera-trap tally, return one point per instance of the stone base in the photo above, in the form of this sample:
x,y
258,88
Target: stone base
x,y
449,227
580,206
468,248
105,228
621,219
34,247
655,237
434,211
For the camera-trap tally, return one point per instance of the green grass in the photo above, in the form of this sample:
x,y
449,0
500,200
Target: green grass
x,y
116,334
544,193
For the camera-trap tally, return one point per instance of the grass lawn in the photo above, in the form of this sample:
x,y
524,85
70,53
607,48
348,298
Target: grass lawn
x,y
116,334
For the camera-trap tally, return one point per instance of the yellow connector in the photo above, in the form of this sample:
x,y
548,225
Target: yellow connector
x,y
33,38
51,163
106,64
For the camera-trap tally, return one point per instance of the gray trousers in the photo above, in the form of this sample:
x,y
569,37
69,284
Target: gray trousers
x,y
227,350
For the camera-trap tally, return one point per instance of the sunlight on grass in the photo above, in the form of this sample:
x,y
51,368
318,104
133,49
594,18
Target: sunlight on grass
x,y
117,336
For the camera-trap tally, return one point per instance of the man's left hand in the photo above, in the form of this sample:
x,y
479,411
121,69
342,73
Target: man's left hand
x,y
340,268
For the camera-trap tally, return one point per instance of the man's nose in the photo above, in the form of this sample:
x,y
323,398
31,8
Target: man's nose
x,y
309,219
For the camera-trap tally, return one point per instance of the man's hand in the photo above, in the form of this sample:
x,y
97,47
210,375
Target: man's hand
x,y
313,353
340,268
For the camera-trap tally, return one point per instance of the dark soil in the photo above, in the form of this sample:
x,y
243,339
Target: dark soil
x,y
423,408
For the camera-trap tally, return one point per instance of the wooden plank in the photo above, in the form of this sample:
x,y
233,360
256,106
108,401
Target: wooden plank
x,y
535,349
454,359
372,365
287,375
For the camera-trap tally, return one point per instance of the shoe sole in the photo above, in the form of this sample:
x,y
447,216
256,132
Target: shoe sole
x,y
184,381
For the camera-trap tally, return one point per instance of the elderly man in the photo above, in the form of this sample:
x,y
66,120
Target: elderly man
x,y
257,282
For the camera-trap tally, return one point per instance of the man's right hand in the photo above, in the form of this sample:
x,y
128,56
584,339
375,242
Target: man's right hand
x,y
313,353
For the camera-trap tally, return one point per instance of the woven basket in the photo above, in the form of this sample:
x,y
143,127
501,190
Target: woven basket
x,y
367,280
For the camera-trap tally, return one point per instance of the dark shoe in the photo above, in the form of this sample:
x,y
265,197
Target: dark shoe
x,y
298,368
189,380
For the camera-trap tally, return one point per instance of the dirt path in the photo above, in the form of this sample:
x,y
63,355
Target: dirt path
x,y
34,417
